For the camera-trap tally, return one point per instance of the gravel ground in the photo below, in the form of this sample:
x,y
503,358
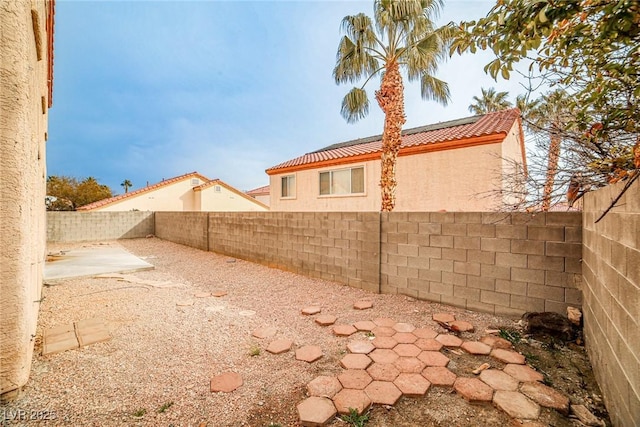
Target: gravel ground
x,y
157,367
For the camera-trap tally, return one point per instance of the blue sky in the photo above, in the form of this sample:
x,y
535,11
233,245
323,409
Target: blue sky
x,y
146,90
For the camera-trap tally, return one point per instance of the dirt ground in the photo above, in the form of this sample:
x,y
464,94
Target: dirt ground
x,y
166,345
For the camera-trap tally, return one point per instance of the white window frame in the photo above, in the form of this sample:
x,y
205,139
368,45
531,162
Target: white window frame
x,y
288,178
350,194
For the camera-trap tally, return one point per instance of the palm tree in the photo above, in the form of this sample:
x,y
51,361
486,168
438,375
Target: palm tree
x,y
401,35
126,184
490,101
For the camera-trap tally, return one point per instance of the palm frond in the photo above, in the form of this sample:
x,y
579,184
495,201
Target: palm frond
x,y
434,89
355,105
354,59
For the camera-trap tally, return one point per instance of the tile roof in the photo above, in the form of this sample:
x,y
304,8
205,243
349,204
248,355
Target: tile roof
x,y
230,188
139,191
456,133
259,191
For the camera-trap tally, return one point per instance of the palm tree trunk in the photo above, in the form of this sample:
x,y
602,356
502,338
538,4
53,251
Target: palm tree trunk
x,y
552,169
390,97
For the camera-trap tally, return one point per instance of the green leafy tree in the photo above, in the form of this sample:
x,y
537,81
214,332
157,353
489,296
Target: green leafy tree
x,y
490,101
126,184
401,35
70,193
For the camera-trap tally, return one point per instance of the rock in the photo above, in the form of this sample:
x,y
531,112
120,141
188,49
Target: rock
x,y
547,323
574,315
585,416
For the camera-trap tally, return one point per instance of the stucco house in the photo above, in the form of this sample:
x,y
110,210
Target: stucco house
x,y
188,192
261,194
26,90
458,165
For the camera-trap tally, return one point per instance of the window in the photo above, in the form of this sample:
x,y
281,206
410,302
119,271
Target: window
x,y
195,181
288,186
342,181
217,188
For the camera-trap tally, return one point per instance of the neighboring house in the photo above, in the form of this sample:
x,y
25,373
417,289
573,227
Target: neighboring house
x,y
26,89
189,192
261,194
459,165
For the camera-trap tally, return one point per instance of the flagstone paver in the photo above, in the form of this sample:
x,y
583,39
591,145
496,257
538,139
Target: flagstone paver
x,y
439,375
344,330
326,319
383,331
384,342
348,398
508,356
91,331
498,380
356,379
412,384
404,327
218,294
363,304
309,353
324,386
355,361
449,340
384,321
226,382
407,350
523,373
279,346
316,411
473,390
405,337
546,396
443,317
409,365
383,392
184,303
426,333
383,355
60,338
428,344
265,332
361,347
475,347
517,405
462,326
433,358
496,342
364,325
383,372
310,311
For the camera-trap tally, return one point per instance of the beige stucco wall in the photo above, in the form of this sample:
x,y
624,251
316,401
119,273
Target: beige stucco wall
x,y
178,196
264,199
452,180
226,200
23,125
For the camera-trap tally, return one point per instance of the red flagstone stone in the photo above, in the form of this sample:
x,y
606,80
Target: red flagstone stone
x,y
428,344
356,379
438,375
226,383
184,303
309,311
412,384
344,330
362,304
355,361
462,326
496,342
410,365
433,358
508,356
309,353
426,333
475,347
404,327
324,386
347,398
279,346
405,338
219,294
517,405
443,317
326,319
383,355
383,392
585,416
384,342
498,380
383,372
546,396
383,331
316,411
473,390
360,347
523,373
449,340
364,325
266,332
384,321
407,350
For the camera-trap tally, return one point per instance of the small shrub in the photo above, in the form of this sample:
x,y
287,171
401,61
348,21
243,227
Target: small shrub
x,y
140,412
513,337
164,407
355,420
255,351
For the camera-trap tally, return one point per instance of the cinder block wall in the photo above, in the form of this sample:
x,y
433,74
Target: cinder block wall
x,y
502,263
340,246
611,270
94,226
185,228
